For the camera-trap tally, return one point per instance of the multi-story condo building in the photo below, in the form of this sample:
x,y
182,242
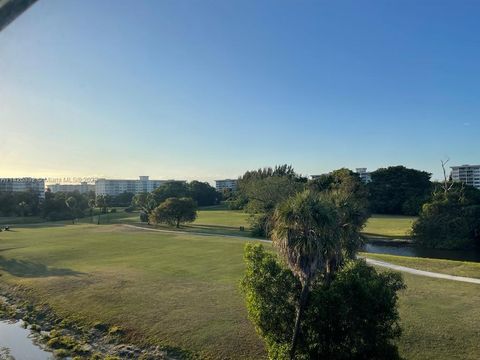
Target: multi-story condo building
x,y
467,174
82,188
115,186
365,176
221,185
23,184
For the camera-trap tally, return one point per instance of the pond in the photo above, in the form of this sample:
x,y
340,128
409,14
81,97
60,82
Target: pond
x,y
17,343
413,251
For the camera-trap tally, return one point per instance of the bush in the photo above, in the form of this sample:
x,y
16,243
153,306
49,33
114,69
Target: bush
x,y
354,317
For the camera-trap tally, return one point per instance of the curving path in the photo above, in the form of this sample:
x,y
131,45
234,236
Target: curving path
x,y
369,261
422,272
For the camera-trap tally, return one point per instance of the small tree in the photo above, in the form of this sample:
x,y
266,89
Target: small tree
x,y
102,202
174,211
91,207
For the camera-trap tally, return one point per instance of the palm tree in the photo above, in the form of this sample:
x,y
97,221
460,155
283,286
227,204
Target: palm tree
x,y
308,232
91,205
71,203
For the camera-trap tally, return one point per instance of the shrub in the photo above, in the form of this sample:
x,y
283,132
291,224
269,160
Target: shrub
x,y
353,317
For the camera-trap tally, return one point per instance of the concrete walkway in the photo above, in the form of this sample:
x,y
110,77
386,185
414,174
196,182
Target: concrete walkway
x,y
422,272
369,261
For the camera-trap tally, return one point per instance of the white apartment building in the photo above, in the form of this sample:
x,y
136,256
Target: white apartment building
x,y
221,185
22,185
468,174
82,188
116,186
365,176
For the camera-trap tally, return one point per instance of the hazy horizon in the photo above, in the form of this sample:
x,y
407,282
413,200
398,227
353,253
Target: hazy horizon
x,y
207,90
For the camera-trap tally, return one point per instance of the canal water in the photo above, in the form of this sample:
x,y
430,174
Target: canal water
x,y
413,251
18,343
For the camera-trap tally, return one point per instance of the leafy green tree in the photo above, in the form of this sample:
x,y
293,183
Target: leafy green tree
x,y
57,206
203,193
19,203
263,190
451,220
313,238
398,190
170,189
353,317
146,203
123,199
174,211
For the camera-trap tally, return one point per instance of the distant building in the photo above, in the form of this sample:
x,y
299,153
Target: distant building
x,y
365,176
221,185
22,185
467,174
82,188
115,187
313,177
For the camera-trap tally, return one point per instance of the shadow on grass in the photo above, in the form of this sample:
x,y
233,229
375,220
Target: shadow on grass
x,y
24,268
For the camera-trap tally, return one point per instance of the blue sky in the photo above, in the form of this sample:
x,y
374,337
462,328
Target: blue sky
x,y
209,89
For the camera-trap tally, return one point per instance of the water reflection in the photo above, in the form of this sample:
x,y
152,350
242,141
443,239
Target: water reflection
x,y
17,343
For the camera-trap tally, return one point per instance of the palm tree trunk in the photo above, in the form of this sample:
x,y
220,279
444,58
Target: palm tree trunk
x,y
301,307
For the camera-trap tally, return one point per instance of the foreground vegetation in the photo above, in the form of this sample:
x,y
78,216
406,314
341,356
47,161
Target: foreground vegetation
x,y
182,291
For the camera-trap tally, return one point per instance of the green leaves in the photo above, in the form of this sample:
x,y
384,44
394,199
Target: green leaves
x,y
353,317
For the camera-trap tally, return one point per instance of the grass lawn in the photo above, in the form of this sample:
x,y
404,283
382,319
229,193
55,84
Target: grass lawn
x,y
457,268
175,290
440,319
182,290
394,226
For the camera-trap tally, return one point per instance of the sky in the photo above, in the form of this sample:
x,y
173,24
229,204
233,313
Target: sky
x,y
204,90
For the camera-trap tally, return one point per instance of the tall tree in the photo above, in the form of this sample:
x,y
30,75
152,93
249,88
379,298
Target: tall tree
x,y
170,189
203,193
263,189
313,237
451,219
399,190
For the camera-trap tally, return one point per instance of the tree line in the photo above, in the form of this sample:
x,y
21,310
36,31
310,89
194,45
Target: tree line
x,y
446,218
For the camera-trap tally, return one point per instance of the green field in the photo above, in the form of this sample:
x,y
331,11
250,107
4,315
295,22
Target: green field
x,y
394,226
170,289
181,290
219,220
